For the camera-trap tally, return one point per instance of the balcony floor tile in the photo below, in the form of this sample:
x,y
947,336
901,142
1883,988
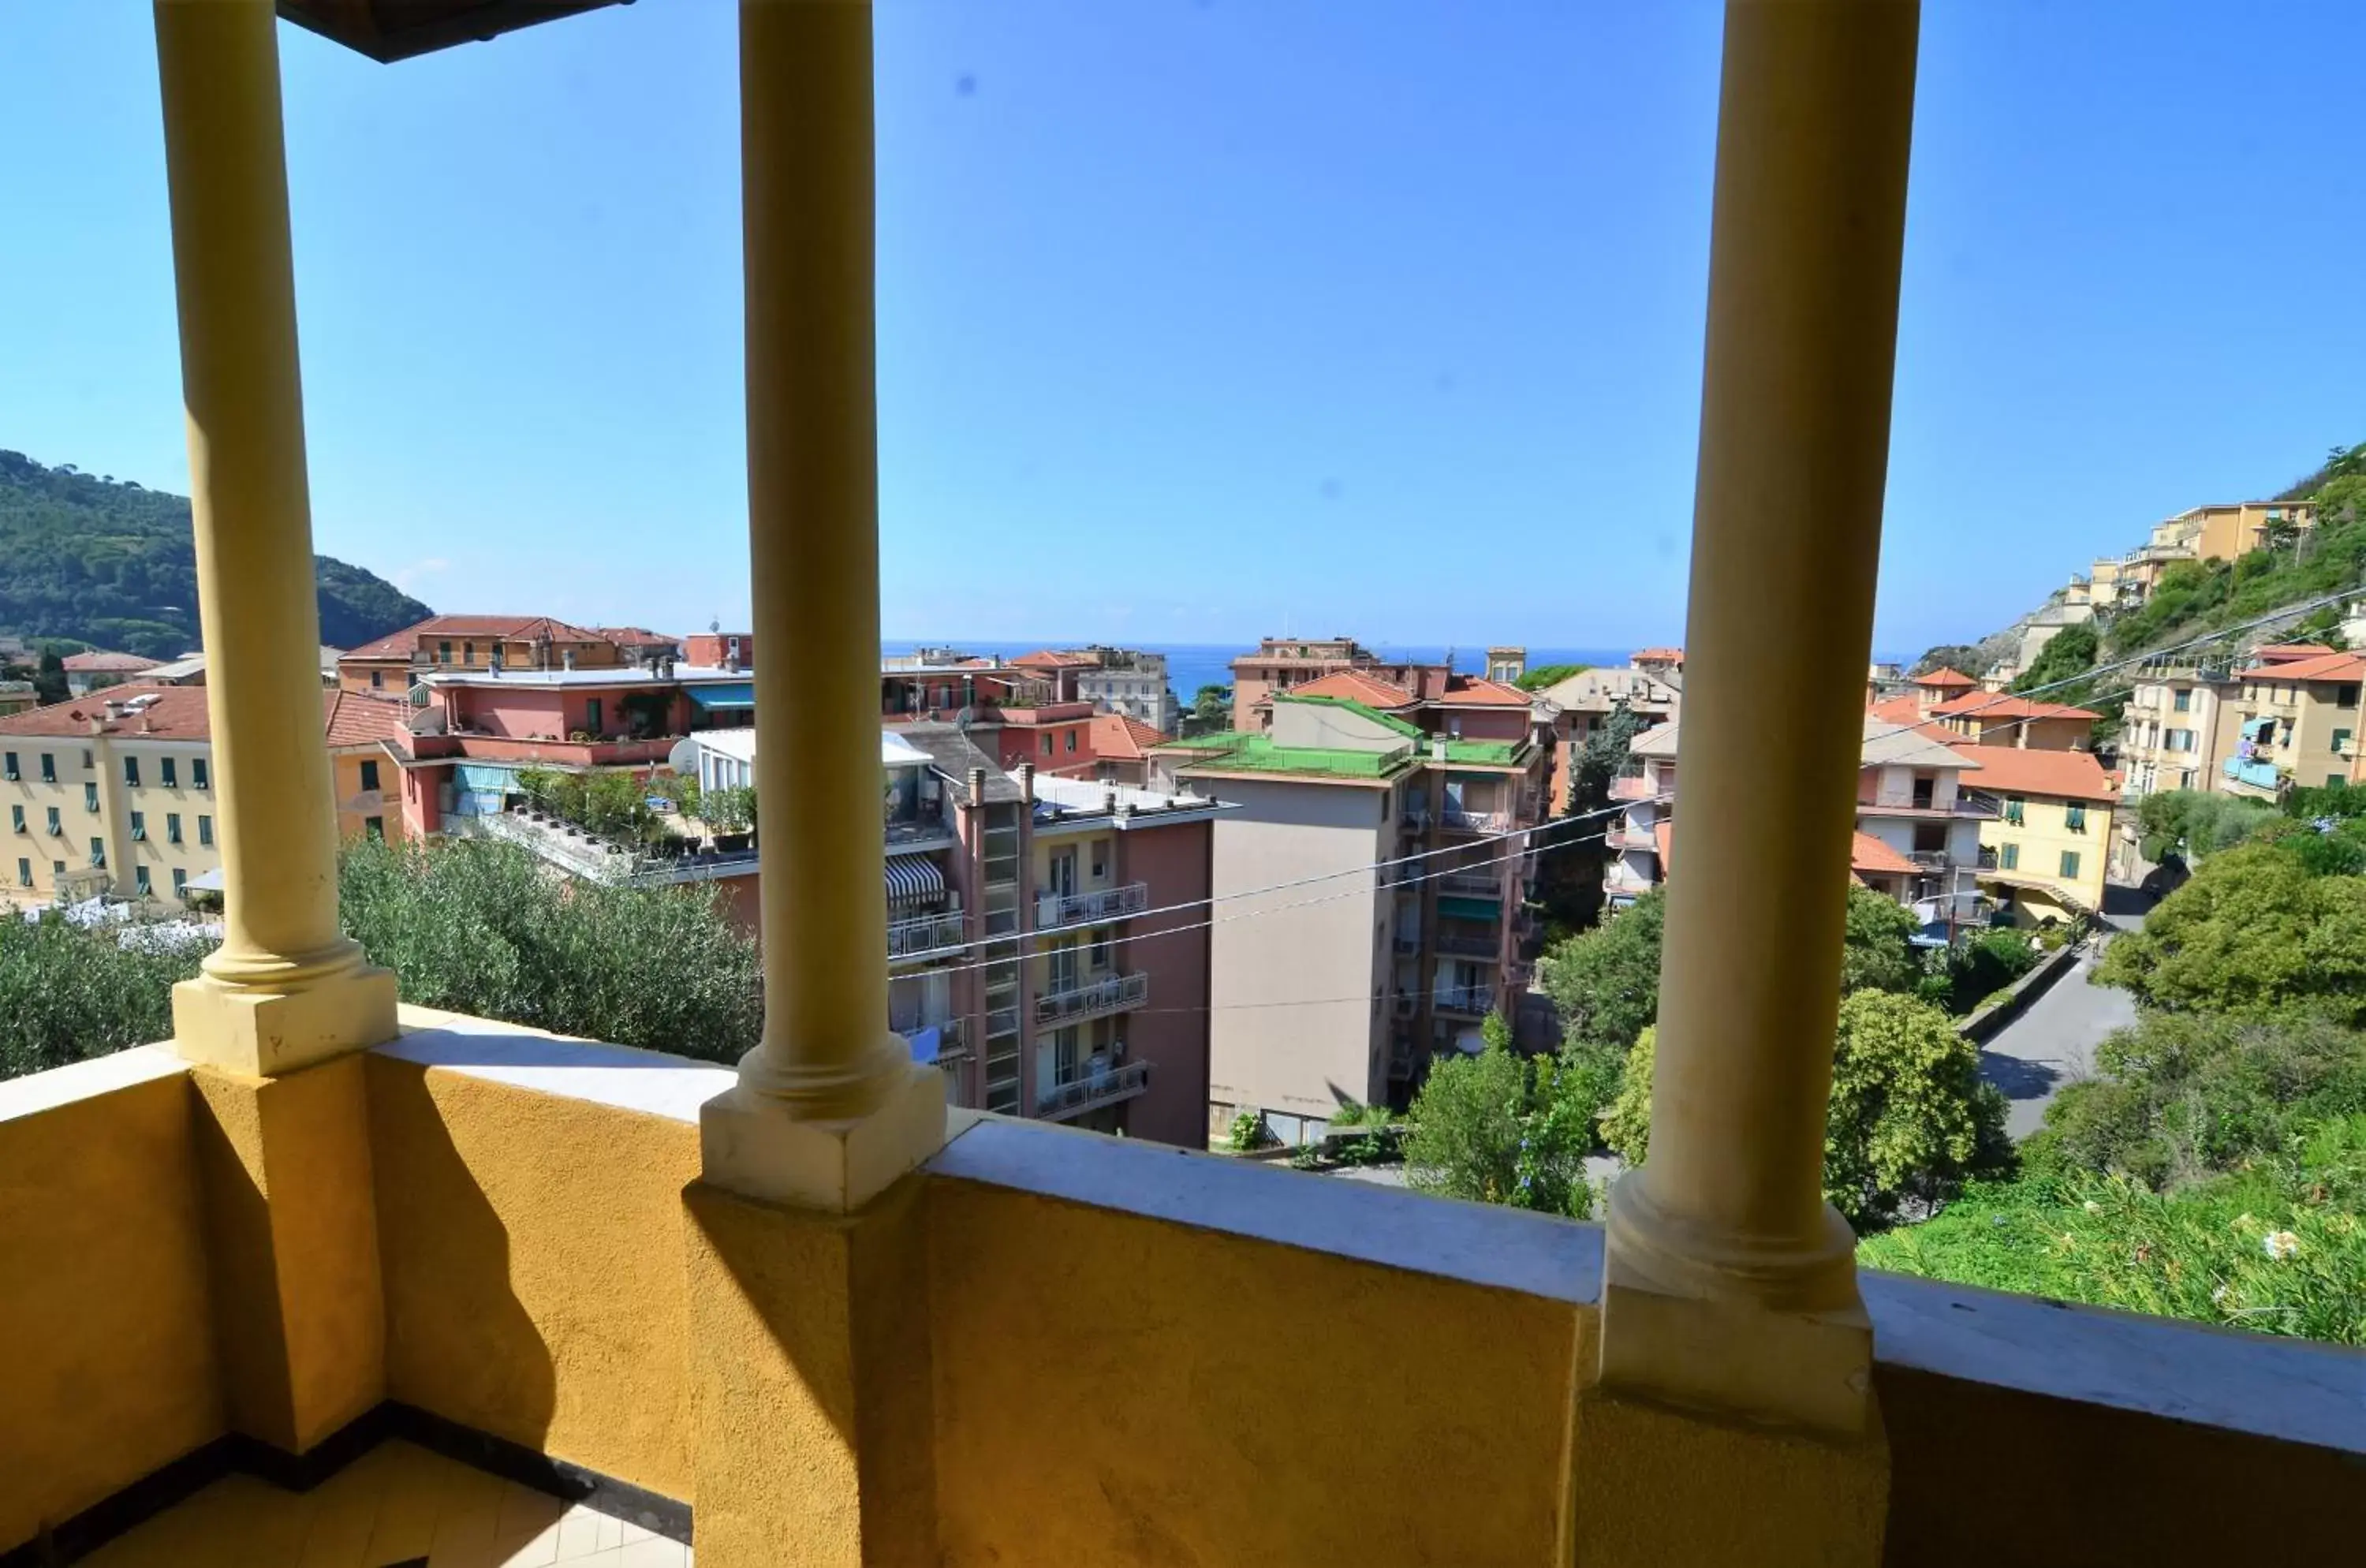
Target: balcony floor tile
x,y
395,1504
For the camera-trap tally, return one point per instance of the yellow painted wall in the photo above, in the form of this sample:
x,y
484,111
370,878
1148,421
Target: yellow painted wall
x,y
356,805
110,1368
2044,834
532,1250
1325,1410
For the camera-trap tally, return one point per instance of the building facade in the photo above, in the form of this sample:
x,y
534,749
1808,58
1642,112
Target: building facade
x,y
1344,987
2178,729
2297,722
1047,940
1994,718
2047,840
112,794
1918,828
460,643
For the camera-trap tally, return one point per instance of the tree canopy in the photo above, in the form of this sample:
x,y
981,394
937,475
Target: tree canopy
x,y
1907,1117
114,565
2255,932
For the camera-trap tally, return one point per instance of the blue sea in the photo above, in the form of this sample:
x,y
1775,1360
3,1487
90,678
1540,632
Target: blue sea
x,y
1191,665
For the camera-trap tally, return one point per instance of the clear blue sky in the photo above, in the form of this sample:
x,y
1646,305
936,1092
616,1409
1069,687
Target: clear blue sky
x,y
1205,317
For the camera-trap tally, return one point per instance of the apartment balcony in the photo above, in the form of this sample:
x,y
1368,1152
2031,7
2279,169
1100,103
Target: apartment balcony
x,y
1471,884
1632,786
908,940
1407,945
1455,820
914,834
1469,1001
1092,998
1640,839
1097,1082
1093,907
2249,776
1456,944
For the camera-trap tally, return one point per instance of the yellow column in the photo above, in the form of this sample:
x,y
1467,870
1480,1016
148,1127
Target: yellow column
x,y
1814,124
286,988
830,1108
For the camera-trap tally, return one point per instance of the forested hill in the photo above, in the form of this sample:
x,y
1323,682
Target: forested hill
x,y
112,564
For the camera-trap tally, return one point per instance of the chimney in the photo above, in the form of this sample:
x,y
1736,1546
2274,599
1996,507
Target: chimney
x,y
567,658
977,786
1437,748
1027,782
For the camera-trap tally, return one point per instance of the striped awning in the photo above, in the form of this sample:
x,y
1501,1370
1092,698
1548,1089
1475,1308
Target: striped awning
x,y
913,879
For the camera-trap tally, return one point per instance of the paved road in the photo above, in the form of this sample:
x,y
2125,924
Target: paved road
x,y
2054,1042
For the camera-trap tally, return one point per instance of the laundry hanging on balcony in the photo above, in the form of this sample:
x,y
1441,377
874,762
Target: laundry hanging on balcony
x,y
913,882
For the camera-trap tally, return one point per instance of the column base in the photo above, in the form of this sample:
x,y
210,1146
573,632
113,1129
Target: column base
x,y
752,1145
1743,1328
1657,1487
260,1031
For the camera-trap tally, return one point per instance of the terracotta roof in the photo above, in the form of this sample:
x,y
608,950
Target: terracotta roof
x,y
2283,652
1478,691
2011,770
103,662
355,718
631,636
1907,713
1996,705
2327,667
404,643
1658,655
1869,853
178,712
1943,676
1355,686
1113,735
1051,659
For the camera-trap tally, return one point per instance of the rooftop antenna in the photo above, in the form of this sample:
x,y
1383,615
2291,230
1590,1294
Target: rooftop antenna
x,y
715,624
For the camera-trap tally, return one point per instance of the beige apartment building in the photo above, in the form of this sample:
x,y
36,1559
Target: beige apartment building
x,y
2220,532
1582,704
2178,729
112,794
1331,980
2297,722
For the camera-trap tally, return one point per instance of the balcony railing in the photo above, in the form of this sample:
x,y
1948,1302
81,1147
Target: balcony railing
x,y
2258,775
1457,946
1472,1000
1466,821
1632,786
1470,885
919,831
1098,1082
1101,904
926,933
1092,999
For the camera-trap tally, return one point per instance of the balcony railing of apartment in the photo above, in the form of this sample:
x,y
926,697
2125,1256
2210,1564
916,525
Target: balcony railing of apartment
x,y
925,933
920,832
1622,837
1932,860
1632,786
1471,884
1097,1082
468,1188
1099,904
1460,944
1472,1000
1471,821
1092,998
2255,774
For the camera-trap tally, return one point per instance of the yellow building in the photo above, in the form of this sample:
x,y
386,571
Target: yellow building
x,y
325,1277
2297,722
2043,852
112,793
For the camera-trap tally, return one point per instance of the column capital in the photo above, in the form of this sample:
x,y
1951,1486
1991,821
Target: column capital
x,y
758,1147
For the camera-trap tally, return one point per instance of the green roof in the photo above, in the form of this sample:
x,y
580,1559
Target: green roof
x,y
1488,753
1410,731
1255,753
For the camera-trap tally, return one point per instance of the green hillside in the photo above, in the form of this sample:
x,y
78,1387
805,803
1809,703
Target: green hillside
x,y
112,564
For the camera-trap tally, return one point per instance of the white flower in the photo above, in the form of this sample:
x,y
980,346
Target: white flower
x,y
2280,1245
2218,1295
2093,1207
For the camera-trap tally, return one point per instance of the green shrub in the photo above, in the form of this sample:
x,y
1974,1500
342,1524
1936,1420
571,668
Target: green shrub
x,y
67,994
